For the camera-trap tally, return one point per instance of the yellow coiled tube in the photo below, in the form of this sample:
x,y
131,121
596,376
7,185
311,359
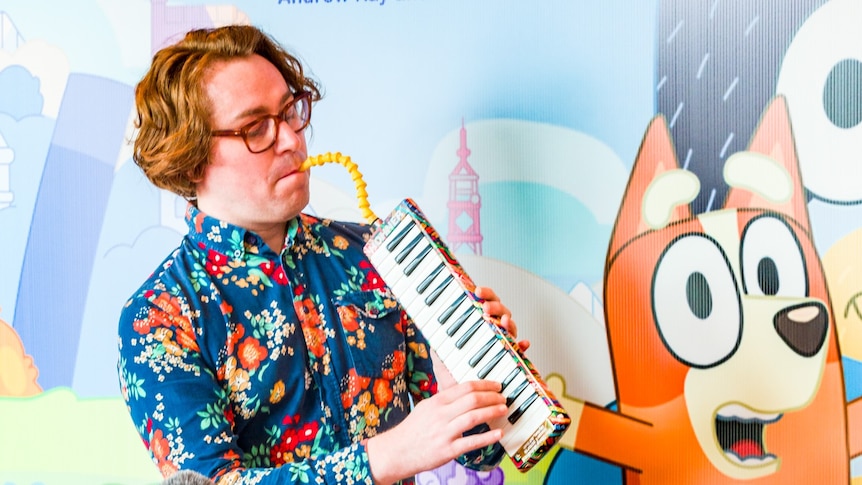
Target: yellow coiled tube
x,y
361,194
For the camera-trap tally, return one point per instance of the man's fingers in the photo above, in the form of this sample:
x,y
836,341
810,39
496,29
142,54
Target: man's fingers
x,y
472,442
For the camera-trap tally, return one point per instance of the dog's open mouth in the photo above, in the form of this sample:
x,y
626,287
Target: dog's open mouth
x,y
740,433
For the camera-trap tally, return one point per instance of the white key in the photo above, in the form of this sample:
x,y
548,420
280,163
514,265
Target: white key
x,y
438,339
405,289
470,367
458,360
495,358
447,347
429,314
502,369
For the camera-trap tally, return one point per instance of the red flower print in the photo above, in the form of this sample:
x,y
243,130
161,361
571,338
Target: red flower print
x,y
186,334
216,257
314,338
229,416
307,313
251,353
382,393
348,315
159,446
142,326
168,315
355,385
215,262
281,452
279,275
307,432
159,318
289,440
225,308
373,281
234,337
267,267
402,322
167,303
186,339
292,438
311,328
398,360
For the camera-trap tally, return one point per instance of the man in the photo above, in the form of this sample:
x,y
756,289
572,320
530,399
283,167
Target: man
x,y
266,349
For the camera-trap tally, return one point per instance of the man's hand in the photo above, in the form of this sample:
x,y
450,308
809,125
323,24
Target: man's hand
x,y
433,433
496,309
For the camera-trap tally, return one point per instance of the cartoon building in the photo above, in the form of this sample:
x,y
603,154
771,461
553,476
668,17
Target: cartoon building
x,y
464,202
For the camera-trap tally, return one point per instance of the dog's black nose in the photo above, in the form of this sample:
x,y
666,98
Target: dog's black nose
x,y
803,327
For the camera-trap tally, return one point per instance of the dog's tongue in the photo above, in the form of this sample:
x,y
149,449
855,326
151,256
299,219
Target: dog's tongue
x,y
747,449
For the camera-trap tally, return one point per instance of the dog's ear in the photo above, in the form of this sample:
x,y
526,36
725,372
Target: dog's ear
x,y
656,158
767,175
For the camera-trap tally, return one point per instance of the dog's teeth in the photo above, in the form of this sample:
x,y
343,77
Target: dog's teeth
x,y
751,461
736,411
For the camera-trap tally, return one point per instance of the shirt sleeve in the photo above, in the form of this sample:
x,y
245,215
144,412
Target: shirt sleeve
x,y
183,414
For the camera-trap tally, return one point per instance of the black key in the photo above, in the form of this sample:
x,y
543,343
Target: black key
x,y
510,377
430,299
418,259
463,318
490,365
391,245
427,281
517,392
522,408
481,353
469,333
403,254
449,311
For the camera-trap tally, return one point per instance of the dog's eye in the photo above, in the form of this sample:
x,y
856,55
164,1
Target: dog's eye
x,y
696,302
772,261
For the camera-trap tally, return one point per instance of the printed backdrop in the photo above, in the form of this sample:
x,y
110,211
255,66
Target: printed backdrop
x,y
543,104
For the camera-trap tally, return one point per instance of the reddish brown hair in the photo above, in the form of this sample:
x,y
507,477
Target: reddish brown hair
x,y
173,111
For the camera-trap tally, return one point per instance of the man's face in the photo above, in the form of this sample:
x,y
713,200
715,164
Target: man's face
x,y
257,191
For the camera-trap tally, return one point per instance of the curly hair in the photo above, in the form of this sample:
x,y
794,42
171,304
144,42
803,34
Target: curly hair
x,y
173,141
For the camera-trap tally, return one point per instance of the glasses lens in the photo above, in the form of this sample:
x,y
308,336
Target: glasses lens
x,y
296,114
260,135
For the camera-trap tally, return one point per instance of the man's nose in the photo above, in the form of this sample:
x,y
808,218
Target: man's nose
x,y
286,138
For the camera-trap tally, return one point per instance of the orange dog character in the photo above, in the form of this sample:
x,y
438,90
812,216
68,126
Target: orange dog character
x,y
722,338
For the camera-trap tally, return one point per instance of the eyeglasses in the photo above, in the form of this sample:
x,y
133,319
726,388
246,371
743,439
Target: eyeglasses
x,y
260,134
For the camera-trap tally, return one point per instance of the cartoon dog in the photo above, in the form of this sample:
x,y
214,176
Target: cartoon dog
x,y
722,337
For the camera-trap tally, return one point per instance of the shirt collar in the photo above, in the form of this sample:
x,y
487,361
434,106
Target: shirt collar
x,y
210,233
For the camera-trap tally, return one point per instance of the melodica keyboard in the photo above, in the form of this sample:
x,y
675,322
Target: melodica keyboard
x,y
438,295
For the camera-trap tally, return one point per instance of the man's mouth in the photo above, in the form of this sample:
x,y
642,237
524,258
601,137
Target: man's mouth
x,y
740,432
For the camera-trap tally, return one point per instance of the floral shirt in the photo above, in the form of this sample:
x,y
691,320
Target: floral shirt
x,y
236,360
